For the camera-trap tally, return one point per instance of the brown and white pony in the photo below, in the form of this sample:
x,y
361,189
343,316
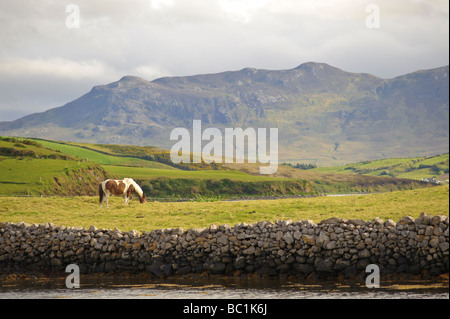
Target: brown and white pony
x,y
119,188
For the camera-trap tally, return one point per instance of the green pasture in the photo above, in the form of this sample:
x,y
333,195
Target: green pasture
x,y
98,157
85,211
413,168
38,151
145,173
31,175
435,159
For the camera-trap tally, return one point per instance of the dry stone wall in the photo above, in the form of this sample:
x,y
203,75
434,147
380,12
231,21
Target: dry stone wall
x,y
332,247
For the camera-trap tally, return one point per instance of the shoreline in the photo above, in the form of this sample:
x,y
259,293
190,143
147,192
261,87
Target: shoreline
x,y
57,279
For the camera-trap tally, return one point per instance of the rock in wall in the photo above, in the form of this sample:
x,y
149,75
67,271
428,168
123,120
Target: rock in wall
x,y
332,247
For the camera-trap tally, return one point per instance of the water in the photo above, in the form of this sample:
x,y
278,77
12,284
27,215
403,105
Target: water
x,y
190,294
219,289
170,300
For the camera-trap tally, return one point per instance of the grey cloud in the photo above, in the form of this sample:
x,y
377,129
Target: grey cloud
x,y
45,64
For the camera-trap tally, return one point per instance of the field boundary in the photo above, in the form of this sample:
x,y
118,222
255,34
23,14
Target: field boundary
x,y
333,247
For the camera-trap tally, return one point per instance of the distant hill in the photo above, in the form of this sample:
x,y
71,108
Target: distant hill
x,y
325,115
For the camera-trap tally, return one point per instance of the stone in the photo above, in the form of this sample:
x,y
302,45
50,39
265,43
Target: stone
x,y
334,247
303,268
350,272
423,219
332,221
390,223
429,230
341,264
110,266
155,268
444,246
364,253
436,220
217,268
331,245
288,238
325,265
167,269
223,240
406,220
250,251
357,222
240,262
184,270
322,240
308,239
378,221
434,242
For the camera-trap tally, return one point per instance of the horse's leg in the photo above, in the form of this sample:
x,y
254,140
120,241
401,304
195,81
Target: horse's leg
x,y
104,198
107,199
128,194
101,194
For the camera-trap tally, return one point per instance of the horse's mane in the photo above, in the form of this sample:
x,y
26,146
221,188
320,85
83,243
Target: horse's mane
x,y
135,185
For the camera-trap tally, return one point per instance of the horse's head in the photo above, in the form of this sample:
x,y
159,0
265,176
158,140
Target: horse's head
x,y
142,199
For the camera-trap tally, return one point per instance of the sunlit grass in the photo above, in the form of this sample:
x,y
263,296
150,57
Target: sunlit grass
x,y
150,173
413,168
98,157
85,211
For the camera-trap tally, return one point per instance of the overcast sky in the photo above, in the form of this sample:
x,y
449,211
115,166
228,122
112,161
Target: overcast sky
x,y
49,57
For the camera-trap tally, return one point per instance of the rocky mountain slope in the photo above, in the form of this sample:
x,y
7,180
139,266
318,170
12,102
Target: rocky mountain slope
x,y
324,115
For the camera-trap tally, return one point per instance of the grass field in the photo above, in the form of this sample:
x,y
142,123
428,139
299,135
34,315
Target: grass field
x,y
413,168
31,175
100,158
151,173
27,169
84,211
38,151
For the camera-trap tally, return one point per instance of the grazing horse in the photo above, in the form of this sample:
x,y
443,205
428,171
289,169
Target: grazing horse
x,y
119,188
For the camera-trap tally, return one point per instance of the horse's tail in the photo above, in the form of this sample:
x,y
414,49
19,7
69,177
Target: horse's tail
x,y
100,192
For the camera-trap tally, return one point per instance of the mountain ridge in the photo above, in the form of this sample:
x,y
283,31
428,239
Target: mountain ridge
x,y
324,114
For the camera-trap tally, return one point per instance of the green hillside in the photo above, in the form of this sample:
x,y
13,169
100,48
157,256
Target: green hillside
x,y
35,166
16,147
43,167
29,168
124,155
90,154
142,173
413,168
